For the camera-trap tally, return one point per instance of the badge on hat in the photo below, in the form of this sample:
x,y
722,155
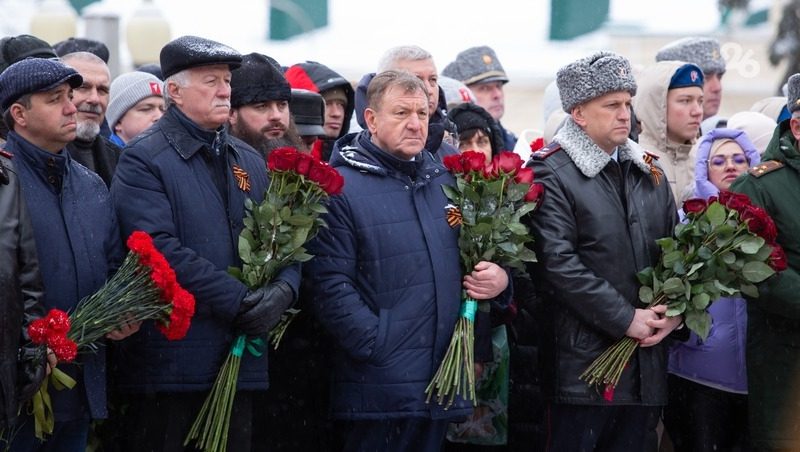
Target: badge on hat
x,y
155,88
242,178
487,60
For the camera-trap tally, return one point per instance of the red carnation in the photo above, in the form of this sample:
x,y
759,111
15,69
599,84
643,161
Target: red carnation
x,y
473,161
777,258
537,144
64,348
57,321
534,193
524,176
453,164
37,330
283,159
694,205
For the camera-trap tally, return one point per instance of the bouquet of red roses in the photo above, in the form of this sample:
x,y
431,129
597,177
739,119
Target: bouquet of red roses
x,y
488,203
725,247
274,236
144,288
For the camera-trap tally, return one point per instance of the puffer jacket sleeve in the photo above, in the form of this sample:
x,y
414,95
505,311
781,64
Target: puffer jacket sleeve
x,y
332,274
589,297
141,202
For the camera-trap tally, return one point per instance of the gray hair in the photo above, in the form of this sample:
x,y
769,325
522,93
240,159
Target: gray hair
x,y
180,78
385,80
395,54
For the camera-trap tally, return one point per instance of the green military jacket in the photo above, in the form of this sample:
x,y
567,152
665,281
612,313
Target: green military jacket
x,y
773,343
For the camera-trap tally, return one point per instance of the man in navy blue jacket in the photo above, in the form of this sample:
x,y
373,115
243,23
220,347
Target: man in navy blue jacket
x,y
74,227
386,280
185,181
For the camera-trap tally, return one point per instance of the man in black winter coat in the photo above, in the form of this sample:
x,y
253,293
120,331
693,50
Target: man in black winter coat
x,y
22,367
606,202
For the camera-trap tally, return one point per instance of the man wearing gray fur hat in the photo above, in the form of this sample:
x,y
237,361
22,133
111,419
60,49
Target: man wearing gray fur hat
x,y
705,53
773,325
606,202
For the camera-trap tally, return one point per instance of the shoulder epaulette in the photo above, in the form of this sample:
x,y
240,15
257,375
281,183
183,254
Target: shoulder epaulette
x,y
765,167
6,154
546,151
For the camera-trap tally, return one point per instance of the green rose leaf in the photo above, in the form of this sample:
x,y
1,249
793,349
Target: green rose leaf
x,y
451,193
674,309
751,244
755,272
699,322
701,301
669,259
716,214
673,286
696,266
749,290
646,295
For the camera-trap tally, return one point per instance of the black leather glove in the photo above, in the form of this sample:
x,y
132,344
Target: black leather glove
x,y
262,308
31,370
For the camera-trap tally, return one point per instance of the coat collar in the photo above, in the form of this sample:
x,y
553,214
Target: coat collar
x,y
188,138
588,157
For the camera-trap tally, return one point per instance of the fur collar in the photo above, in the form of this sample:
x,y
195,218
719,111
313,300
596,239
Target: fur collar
x,y
588,157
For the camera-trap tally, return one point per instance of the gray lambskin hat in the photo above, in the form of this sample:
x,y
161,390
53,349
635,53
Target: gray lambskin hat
x,y
704,52
476,65
793,99
594,76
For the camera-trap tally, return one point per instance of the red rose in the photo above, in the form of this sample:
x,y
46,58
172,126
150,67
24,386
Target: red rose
x,y
282,159
303,164
777,259
759,223
694,205
453,164
334,182
535,193
537,144
317,171
735,201
524,176
507,163
473,161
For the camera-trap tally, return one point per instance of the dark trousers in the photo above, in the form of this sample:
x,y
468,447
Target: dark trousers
x,y
394,435
602,428
699,418
68,436
160,422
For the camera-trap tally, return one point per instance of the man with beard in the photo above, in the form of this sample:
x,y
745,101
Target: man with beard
x,y
260,96
90,148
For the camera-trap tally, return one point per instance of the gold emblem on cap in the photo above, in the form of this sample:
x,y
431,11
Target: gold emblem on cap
x,y
797,102
623,72
487,59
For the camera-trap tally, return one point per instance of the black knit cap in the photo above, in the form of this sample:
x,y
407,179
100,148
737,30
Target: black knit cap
x,y
73,45
34,75
17,48
192,51
468,116
258,79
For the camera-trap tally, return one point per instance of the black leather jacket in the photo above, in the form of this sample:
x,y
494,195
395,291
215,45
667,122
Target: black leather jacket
x,y
595,229
20,297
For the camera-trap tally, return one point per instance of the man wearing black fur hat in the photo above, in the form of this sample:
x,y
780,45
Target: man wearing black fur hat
x,y
184,181
606,202
260,95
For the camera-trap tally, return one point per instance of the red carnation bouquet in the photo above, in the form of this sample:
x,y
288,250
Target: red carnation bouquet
x,y
144,288
274,236
726,246
488,203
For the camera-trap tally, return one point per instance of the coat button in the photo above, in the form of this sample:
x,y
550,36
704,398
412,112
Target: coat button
x,y
51,162
406,187
51,179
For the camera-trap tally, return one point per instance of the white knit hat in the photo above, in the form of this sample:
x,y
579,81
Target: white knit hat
x,y
127,90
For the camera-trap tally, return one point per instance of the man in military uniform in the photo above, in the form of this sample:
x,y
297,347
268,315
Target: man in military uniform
x,y
773,332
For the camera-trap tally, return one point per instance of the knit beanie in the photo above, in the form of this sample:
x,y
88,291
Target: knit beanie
x,y
127,90
469,116
258,80
592,77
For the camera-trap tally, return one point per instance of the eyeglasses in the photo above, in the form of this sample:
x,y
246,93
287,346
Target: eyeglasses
x,y
719,161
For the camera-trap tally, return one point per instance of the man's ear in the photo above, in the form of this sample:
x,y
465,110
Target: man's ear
x,y
17,112
369,117
794,124
578,116
234,117
175,93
